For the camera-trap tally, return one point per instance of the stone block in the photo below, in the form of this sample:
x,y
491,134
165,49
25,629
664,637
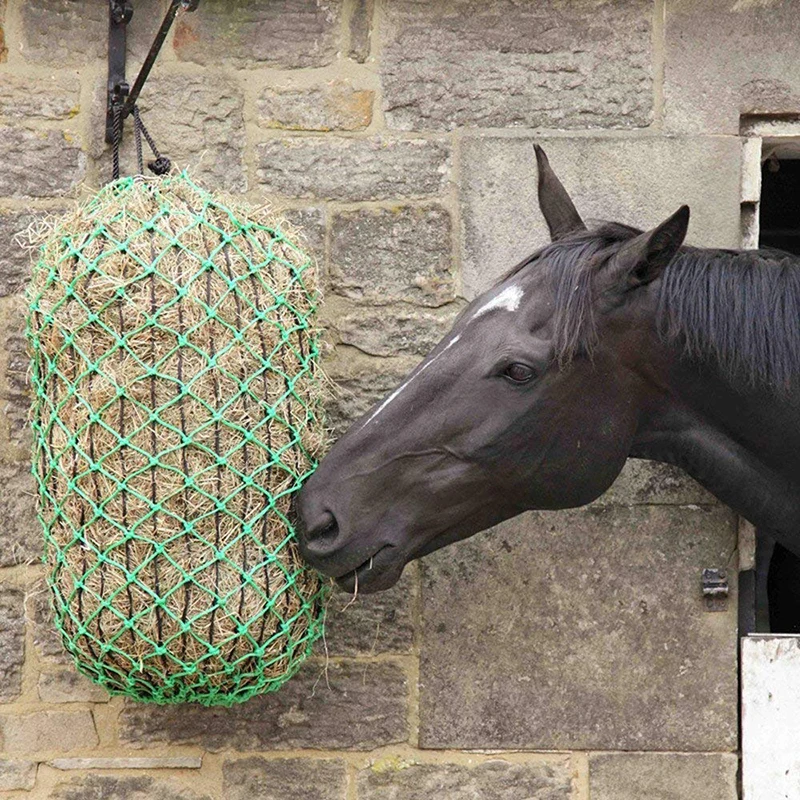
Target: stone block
x,y
26,97
353,706
21,534
667,776
581,630
274,33
12,642
69,686
115,787
15,388
310,223
744,52
360,26
68,33
399,330
503,64
202,128
17,775
388,254
36,163
332,106
371,624
648,482
343,169
156,762
285,779
636,181
48,731
46,638
491,780
15,260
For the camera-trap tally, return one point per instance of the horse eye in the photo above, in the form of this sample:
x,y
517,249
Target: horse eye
x,y
518,373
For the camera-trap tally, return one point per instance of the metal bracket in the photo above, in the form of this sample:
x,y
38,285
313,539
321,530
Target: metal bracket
x,y
715,589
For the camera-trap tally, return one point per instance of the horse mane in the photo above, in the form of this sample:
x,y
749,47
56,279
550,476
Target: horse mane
x,y
739,308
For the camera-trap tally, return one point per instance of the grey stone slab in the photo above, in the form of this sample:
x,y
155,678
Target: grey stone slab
x,y
331,106
534,65
46,638
202,129
724,58
348,169
285,779
153,762
581,630
26,97
349,706
389,254
636,181
44,731
16,775
12,642
360,30
666,776
310,223
15,388
36,163
396,330
490,780
275,33
69,686
648,482
15,259
371,624
115,787
21,539
68,33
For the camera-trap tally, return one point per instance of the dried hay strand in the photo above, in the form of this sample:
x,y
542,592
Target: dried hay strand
x,y
177,410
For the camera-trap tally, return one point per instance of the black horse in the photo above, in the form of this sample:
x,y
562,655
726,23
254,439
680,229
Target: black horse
x,y
608,343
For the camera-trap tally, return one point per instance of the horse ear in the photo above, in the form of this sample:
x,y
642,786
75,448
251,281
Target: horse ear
x,y
644,258
557,207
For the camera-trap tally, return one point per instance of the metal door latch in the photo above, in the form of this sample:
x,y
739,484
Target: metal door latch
x,y
715,589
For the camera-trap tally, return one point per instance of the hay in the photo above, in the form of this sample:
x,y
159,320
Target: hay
x,y
177,411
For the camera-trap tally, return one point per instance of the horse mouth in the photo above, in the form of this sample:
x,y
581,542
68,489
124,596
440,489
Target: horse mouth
x,y
380,571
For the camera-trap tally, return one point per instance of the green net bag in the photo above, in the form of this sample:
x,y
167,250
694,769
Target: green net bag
x,y
176,412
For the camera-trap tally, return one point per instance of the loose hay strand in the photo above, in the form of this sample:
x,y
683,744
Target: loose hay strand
x,y
177,411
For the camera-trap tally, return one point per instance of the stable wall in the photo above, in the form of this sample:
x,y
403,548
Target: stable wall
x,y
559,657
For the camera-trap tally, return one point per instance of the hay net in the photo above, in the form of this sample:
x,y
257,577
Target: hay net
x,y
176,411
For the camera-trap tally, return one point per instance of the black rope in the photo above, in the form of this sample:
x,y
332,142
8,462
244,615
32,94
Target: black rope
x,y
117,140
161,165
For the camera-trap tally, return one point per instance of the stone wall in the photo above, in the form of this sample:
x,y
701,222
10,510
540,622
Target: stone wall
x,y
560,656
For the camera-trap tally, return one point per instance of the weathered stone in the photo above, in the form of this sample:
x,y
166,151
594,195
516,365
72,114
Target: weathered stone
x,y
15,383
352,169
3,48
647,482
15,260
17,775
371,624
581,630
359,389
12,642
285,779
637,181
546,64
275,33
20,533
667,776
44,731
384,255
39,163
70,33
69,686
203,128
490,780
744,52
394,331
25,97
344,706
46,638
167,762
113,787
311,225
360,24
329,107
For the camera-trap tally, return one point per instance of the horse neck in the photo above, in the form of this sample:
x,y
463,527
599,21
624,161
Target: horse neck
x,y
741,443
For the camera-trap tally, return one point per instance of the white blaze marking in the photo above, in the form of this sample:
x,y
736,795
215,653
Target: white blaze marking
x,y
405,385
509,299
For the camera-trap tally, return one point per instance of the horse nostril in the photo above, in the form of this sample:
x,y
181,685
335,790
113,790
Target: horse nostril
x,y
325,532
